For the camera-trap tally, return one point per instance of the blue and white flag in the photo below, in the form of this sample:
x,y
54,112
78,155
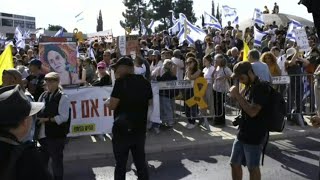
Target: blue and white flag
x,y
182,17
26,34
191,33
79,17
91,53
257,17
292,26
230,14
175,28
210,21
143,28
39,32
150,26
173,18
258,36
59,33
20,41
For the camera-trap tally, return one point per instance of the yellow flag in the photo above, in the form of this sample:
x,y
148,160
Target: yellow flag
x,y
246,50
6,61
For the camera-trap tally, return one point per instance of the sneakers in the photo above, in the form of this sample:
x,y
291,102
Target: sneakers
x,y
190,126
156,130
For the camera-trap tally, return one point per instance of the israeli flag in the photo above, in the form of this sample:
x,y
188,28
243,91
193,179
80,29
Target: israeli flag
x,y
258,36
210,21
26,34
91,53
59,33
173,18
150,26
20,41
230,14
79,16
175,28
191,33
143,28
39,32
182,17
257,17
292,26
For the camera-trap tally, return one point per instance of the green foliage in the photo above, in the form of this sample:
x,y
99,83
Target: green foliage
x,y
185,7
100,22
56,28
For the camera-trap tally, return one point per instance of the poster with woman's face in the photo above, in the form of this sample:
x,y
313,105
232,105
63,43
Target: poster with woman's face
x,y
60,57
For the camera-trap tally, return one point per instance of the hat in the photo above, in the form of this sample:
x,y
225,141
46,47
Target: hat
x,y
13,72
35,62
52,76
156,53
123,61
192,46
177,52
101,64
167,62
150,52
290,52
241,68
14,105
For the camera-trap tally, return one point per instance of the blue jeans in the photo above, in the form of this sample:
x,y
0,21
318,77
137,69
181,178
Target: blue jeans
x,y
246,154
166,112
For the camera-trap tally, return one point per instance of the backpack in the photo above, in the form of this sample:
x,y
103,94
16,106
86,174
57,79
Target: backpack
x,y
275,115
276,111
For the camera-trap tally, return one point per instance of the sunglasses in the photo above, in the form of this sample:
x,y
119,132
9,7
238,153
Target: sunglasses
x,y
101,68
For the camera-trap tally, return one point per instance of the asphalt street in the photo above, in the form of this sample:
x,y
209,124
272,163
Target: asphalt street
x,y
290,159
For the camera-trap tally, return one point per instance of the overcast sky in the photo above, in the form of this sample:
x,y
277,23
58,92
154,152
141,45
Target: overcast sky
x,y
62,12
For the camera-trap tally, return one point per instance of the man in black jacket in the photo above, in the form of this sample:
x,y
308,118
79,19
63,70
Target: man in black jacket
x,y
18,161
130,98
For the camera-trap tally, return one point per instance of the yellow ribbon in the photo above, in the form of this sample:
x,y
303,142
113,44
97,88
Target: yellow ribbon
x,y
199,94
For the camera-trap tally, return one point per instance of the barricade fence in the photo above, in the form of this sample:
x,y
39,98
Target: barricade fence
x,y
90,115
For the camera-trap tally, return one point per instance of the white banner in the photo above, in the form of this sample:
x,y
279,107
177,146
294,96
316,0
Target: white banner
x,y
90,115
302,39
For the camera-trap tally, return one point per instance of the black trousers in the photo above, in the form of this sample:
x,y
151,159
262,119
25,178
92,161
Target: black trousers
x,y
121,147
53,148
219,109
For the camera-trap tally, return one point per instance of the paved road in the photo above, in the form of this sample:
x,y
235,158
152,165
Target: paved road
x,y
292,159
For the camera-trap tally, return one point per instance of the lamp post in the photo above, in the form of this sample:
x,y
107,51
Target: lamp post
x,y
139,18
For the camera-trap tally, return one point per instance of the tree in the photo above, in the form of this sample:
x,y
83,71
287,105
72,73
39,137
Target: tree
x,y
185,7
135,10
56,28
100,22
162,8
213,9
219,15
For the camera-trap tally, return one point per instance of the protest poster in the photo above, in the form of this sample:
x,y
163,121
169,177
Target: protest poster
x,y
60,55
90,115
128,45
302,39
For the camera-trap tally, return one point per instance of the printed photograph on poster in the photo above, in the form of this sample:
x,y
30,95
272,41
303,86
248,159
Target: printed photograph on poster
x,y
60,57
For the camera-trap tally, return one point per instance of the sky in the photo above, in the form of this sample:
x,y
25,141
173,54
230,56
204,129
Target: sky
x,y
63,12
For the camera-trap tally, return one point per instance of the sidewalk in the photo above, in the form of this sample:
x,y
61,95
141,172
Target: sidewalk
x,y
178,138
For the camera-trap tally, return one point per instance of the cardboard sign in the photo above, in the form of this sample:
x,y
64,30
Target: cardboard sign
x,y
302,39
128,45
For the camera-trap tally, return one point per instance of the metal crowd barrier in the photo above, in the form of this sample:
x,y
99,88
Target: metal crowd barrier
x,y
298,91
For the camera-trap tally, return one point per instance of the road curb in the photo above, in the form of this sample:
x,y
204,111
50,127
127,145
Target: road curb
x,y
206,143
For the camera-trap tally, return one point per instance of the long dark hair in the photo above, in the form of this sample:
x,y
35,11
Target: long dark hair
x,y
53,47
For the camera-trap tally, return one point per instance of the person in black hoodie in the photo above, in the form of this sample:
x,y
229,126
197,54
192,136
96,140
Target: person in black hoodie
x,y
167,96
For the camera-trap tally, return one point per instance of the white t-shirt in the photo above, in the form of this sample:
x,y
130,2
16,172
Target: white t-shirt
x,y
180,65
281,63
207,73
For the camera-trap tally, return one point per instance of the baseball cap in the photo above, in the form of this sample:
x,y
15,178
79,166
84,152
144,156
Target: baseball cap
x,y
123,61
52,76
241,68
177,52
35,62
150,52
14,105
156,53
13,72
101,65
290,52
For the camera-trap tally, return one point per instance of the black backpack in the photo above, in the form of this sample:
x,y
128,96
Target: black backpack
x,y
276,111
